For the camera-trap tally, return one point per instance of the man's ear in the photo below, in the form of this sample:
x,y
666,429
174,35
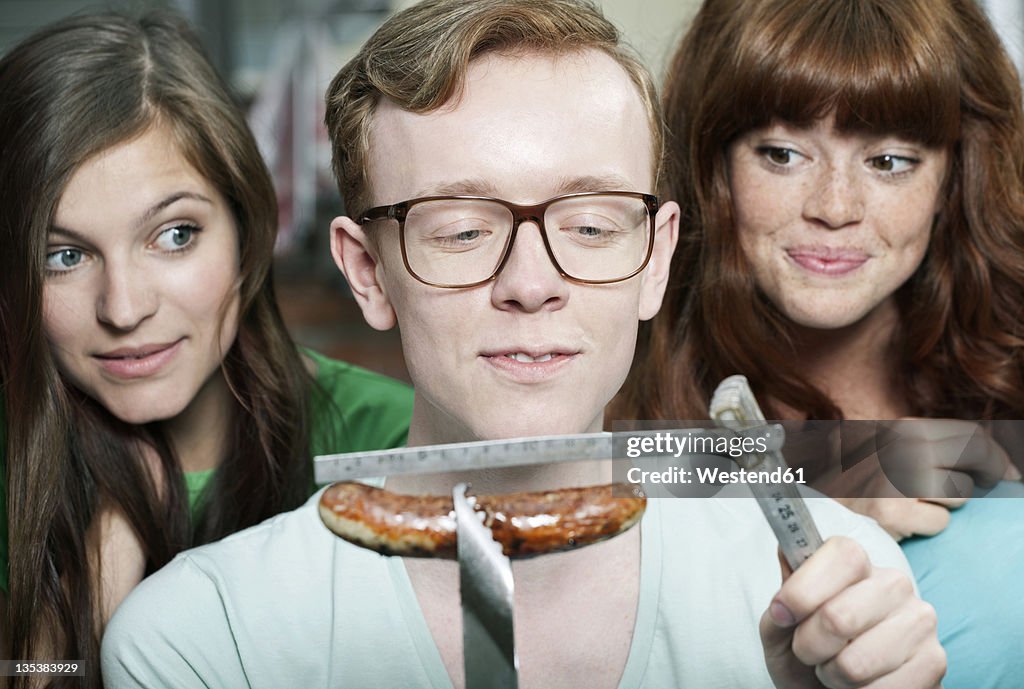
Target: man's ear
x,y
358,261
655,276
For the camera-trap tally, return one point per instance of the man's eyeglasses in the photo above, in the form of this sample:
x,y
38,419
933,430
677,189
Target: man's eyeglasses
x,y
463,241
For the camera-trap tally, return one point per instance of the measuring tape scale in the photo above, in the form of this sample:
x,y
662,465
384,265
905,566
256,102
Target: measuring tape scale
x,y
501,454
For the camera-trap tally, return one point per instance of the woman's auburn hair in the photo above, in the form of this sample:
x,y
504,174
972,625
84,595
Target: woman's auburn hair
x,y
931,71
71,91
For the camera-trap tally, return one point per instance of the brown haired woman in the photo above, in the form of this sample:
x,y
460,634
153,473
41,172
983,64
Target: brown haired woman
x,y
153,398
851,176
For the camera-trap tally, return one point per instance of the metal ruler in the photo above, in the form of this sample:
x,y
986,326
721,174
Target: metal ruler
x,y
734,406
495,454
483,454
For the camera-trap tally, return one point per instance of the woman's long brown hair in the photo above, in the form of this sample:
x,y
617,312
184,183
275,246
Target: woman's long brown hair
x,y
931,71
69,92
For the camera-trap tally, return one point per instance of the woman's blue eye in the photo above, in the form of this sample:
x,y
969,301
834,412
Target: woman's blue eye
x,y
63,260
176,238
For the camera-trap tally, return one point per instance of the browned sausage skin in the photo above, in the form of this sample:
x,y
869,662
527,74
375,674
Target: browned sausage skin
x,y
523,523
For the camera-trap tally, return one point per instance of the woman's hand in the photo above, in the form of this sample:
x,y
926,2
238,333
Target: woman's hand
x,y
838,621
907,474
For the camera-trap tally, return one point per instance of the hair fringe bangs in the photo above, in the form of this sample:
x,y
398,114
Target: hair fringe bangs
x,y
876,66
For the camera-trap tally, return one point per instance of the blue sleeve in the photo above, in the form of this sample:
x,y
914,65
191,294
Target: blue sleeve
x,y
971,574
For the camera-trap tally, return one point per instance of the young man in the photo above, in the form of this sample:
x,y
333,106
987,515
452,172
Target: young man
x,y
518,315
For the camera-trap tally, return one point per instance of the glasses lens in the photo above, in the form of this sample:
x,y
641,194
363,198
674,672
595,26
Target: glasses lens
x,y
456,241
599,237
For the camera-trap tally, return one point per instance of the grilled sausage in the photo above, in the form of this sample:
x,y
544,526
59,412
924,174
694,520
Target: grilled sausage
x,y
523,523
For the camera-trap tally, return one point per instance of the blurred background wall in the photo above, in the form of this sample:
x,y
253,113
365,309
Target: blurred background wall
x,y
279,57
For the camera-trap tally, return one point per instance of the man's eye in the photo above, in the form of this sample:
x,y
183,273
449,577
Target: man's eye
x,y
63,260
461,239
176,238
467,235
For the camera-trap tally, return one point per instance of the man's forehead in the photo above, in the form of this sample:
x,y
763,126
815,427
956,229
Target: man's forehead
x,y
538,113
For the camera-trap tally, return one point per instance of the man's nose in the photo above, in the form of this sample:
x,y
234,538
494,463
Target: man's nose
x,y
529,281
836,198
126,296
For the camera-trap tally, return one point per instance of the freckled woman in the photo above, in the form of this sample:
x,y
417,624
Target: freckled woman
x,y
152,397
851,176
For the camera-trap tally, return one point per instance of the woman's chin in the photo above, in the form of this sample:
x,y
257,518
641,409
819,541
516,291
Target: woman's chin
x,y
139,412
834,317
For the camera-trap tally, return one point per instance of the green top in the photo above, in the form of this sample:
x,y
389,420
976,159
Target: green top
x,y
358,410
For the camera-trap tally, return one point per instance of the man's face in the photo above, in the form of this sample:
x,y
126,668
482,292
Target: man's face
x,y
528,353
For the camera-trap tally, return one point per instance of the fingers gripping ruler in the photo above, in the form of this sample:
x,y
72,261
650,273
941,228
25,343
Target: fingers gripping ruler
x,y
734,406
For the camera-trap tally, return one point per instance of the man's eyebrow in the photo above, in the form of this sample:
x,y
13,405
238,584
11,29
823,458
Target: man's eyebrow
x,y
462,187
572,185
146,216
567,185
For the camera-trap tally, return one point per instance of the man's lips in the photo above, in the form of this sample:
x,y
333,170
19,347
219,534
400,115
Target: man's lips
x,y
828,260
529,355
138,361
530,363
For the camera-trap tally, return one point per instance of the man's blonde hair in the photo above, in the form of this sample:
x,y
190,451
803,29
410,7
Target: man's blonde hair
x,y
419,57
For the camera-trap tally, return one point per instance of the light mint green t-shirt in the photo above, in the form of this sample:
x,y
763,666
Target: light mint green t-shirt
x,y
288,604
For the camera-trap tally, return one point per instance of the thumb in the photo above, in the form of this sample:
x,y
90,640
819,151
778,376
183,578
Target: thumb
x,y
777,641
777,627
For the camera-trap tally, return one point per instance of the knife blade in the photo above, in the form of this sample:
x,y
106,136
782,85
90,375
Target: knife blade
x,y
487,593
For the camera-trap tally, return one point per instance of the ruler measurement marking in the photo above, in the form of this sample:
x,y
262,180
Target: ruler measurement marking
x,y
495,454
